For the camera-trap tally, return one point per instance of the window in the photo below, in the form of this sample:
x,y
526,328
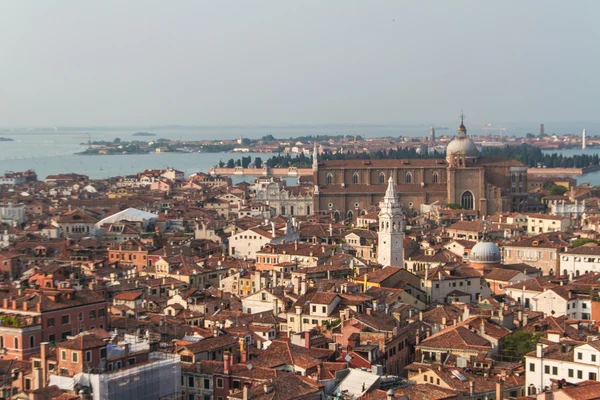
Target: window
x,y
31,342
315,322
101,313
382,178
219,383
80,317
190,381
51,338
580,356
570,372
324,309
187,359
435,177
64,319
50,322
554,370
546,369
236,384
592,376
593,357
314,308
408,178
206,383
63,355
579,374
27,384
329,179
75,356
16,342
532,367
466,200
103,352
88,356
93,314
355,177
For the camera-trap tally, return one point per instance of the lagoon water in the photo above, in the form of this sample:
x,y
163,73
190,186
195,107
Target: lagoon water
x,y
51,151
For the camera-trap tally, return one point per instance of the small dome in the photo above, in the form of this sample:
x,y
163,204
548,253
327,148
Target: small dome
x,y
462,146
485,252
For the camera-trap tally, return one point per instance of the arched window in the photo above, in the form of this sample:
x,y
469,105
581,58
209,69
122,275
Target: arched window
x,y
31,342
1,342
336,216
355,177
282,210
307,210
350,214
16,342
382,178
408,177
513,177
329,179
291,210
466,200
565,273
436,177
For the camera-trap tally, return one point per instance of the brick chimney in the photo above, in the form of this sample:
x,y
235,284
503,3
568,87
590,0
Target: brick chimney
x,y
243,351
307,339
499,389
226,361
44,350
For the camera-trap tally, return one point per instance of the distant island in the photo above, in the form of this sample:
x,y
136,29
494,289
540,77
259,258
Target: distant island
x,y
5,139
143,134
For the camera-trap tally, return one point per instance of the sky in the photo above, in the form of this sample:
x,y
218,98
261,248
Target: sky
x,y
146,62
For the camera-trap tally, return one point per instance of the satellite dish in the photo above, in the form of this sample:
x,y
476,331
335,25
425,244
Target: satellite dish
x,y
348,358
249,366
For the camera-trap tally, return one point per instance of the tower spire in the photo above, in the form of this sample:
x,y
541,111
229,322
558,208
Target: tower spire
x,y
390,193
462,130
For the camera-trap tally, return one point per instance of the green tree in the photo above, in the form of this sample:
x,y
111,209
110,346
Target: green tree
x,y
230,163
117,140
258,162
557,190
454,206
582,241
517,344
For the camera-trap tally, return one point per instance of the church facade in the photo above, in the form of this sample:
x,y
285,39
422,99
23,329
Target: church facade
x,y
349,188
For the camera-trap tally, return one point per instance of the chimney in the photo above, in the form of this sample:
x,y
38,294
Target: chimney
x,y
297,280
295,245
443,322
5,303
44,350
374,304
499,389
369,311
482,327
273,229
389,395
539,350
307,339
303,287
226,362
268,387
243,351
420,315
417,338
525,320
246,391
38,378
471,388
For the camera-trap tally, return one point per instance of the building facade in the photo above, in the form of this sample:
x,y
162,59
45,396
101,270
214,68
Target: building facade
x,y
349,188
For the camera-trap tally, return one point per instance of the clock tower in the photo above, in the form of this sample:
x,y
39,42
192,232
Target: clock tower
x,y
390,235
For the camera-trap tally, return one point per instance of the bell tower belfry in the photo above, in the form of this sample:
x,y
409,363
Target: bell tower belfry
x,y
390,236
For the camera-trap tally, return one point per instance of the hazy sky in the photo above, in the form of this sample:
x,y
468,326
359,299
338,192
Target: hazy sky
x,y
141,62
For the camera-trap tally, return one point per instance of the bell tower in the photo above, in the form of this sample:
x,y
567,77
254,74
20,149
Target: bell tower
x,y
390,236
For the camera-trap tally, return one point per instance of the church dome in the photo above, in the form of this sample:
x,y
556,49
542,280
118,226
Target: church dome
x,y
485,252
462,145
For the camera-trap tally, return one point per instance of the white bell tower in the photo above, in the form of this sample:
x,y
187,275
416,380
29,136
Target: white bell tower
x,y
390,235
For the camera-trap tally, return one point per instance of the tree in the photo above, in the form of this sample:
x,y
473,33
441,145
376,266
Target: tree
x,y
558,190
258,162
117,140
454,206
582,241
517,344
221,164
230,163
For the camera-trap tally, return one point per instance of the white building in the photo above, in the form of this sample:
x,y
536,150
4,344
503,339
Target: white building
x,y
568,209
12,214
391,236
247,243
574,363
561,300
579,261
